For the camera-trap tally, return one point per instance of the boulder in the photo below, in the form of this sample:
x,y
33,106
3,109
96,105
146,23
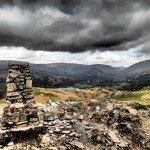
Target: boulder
x,y
28,84
77,145
11,87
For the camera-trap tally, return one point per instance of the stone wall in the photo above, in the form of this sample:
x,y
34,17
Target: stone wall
x,y
20,106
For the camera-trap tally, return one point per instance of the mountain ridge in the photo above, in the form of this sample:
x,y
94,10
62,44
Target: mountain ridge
x,y
142,67
70,74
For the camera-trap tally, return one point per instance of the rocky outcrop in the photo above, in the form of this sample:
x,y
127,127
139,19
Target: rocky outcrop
x,y
89,126
93,126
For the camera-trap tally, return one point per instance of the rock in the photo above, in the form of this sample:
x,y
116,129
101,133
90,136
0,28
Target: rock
x,y
11,87
113,136
30,96
94,101
77,135
72,134
97,109
9,80
85,123
13,94
75,114
68,127
29,101
48,117
124,128
88,128
131,110
51,119
124,145
53,104
63,148
109,106
50,123
51,131
45,139
63,136
146,144
57,130
77,144
95,136
81,117
20,87
53,148
28,84
67,117
11,144
65,132
13,75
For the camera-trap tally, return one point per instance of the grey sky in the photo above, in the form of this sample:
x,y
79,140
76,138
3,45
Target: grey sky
x,y
75,25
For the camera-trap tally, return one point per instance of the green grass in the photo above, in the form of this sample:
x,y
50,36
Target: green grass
x,y
43,95
141,97
140,106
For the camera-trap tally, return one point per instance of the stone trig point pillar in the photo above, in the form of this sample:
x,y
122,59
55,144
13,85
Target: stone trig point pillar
x,y
20,109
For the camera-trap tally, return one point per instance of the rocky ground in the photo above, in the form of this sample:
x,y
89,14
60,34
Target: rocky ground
x,y
96,125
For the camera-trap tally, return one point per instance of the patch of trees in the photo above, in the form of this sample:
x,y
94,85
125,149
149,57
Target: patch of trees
x,y
49,82
136,83
128,83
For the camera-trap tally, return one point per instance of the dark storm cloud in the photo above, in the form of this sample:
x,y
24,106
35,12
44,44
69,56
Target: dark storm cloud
x,y
75,25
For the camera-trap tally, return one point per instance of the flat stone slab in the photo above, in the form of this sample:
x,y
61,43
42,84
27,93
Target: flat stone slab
x,y
16,129
18,63
16,134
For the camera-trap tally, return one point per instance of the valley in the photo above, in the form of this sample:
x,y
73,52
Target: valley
x,y
62,75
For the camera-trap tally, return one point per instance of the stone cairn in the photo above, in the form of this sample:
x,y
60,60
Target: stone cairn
x,y
20,109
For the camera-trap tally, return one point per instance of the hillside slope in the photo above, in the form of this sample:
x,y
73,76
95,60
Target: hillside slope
x,y
138,69
65,74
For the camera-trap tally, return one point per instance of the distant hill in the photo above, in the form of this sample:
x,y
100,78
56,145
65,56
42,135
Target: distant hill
x,y
65,74
77,71
137,76
137,69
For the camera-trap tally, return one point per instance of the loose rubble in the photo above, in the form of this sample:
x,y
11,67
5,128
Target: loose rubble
x,y
68,127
